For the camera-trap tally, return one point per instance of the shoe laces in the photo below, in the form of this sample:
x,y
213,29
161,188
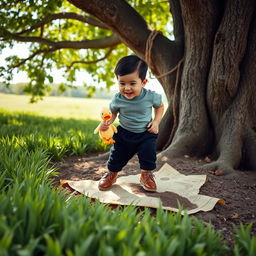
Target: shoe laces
x,y
107,174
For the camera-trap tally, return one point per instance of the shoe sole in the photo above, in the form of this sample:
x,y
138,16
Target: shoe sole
x,y
104,189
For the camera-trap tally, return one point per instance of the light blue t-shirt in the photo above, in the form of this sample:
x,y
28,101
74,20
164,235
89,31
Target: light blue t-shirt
x,y
135,114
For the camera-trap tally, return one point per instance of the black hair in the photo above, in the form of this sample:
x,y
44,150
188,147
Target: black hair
x,y
130,64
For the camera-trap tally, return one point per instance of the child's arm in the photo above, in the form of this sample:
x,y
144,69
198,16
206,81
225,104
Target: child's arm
x,y
153,126
104,125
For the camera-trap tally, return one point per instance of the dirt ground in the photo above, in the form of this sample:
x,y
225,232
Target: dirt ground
x,y
238,191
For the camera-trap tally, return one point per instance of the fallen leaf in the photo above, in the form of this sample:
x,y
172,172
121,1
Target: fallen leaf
x,y
234,216
221,201
207,159
219,172
164,158
62,182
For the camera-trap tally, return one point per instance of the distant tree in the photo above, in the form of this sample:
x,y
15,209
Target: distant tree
x,y
4,89
18,88
211,89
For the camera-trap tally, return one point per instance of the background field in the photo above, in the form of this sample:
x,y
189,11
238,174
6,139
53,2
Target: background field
x,y
66,107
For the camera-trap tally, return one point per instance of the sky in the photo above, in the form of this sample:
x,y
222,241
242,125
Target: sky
x,y
22,51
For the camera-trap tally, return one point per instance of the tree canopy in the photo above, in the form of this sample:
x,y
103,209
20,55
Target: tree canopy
x,y
61,36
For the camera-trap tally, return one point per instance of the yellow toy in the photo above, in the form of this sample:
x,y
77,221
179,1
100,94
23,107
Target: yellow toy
x,y
106,136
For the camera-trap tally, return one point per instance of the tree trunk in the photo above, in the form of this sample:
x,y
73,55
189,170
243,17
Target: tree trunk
x,y
211,108
227,89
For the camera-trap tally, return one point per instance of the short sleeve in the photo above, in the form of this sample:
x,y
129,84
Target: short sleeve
x,y
157,100
113,105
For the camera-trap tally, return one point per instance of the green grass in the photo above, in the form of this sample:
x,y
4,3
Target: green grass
x,y
36,219
58,137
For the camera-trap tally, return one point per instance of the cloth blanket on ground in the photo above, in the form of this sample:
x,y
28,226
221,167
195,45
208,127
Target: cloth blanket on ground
x,y
173,190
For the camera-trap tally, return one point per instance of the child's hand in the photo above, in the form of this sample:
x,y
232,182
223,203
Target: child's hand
x,y
153,127
104,126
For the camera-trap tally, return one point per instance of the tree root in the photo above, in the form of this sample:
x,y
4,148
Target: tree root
x,y
219,168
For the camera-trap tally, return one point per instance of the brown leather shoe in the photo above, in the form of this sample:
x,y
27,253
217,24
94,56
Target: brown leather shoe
x,y
107,180
147,181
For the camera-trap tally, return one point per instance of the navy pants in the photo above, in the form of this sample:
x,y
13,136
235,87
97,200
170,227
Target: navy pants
x,y
128,144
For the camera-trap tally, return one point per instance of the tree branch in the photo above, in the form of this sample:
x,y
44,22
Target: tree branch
x,y
105,42
64,15
33,55
133,31
92,61
178,29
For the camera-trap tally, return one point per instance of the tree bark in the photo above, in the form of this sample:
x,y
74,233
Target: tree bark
x,y
193,135
170,119
229,90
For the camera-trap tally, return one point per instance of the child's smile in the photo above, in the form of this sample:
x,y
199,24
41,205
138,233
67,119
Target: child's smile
x,y
128,94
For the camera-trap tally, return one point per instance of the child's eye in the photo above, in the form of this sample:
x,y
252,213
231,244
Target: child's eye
x,y
133,84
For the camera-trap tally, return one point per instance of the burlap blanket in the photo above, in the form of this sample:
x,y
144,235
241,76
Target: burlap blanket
x,y
173,190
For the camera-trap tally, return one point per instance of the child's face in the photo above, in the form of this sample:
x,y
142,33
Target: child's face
x,y
130,85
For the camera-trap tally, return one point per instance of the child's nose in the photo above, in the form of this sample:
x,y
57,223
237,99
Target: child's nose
x,y
127,87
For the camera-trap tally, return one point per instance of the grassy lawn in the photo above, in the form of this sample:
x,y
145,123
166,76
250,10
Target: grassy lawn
x,y
78,108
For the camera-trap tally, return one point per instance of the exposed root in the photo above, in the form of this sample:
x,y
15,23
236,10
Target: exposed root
x,y
173,152
219,168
